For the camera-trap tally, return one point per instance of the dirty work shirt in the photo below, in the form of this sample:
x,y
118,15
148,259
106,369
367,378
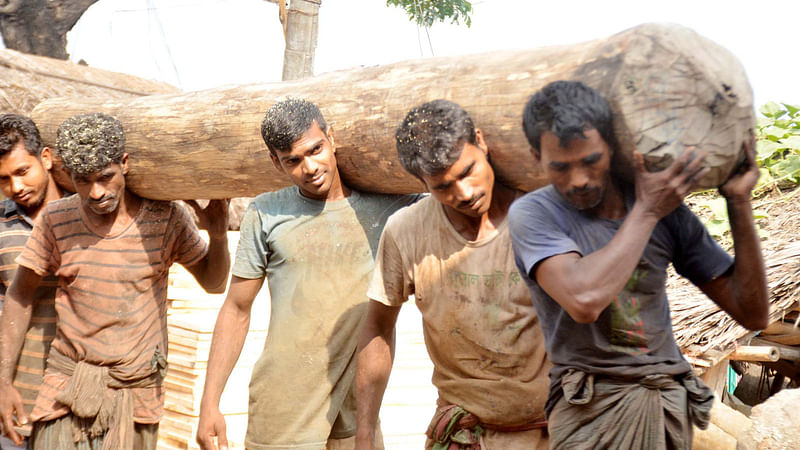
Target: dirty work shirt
x,y
15,227
112,293
481,330
317,257
633,336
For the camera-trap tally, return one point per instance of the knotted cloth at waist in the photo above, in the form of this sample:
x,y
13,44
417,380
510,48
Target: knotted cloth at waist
x,y
454,428
101,404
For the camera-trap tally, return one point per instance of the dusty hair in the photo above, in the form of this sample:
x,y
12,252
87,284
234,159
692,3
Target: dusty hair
x,y
14,129
287,121
88,143
431,137
567,109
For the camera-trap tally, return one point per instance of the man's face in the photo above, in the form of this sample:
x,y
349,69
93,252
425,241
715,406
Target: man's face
x,y
466,186
101,191
311,162
24,177
580,171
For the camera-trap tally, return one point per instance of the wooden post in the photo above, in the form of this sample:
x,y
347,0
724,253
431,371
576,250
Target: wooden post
x,y
668,88
755,353
787,352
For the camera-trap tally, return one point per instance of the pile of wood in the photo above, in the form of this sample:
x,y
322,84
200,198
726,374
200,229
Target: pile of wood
x,y
191,317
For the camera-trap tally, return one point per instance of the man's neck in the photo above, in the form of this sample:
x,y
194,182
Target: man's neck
x,y
477,228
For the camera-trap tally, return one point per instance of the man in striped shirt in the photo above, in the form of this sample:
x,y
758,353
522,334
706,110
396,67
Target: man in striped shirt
x,y
111,251
26,181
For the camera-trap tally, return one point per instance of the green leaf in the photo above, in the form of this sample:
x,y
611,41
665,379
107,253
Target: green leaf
x,y
776,132
719,207
792,142
765,149
717,228
772,109
791,108
788,168
765,178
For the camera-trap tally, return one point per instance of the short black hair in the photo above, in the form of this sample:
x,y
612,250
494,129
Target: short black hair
x,y
567,109
431,137
286,121
88,143
15,128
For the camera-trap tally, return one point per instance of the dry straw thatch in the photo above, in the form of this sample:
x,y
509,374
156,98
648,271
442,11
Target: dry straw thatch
x,y
27,80
701,327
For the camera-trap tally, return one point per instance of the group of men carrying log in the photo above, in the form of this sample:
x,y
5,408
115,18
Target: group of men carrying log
x,y
566,283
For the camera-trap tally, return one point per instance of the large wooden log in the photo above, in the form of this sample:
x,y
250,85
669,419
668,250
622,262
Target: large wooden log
x,y
668,87
27,80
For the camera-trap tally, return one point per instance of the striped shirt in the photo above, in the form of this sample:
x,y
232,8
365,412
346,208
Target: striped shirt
x,y
112,293
15,227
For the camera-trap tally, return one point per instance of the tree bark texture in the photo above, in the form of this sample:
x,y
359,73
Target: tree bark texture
x,y
27,80
39,27
668,88
301,27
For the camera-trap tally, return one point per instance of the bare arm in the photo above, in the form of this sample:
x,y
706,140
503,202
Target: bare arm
x,y
375,355
14,324
230,332
212,271
585,285
742,292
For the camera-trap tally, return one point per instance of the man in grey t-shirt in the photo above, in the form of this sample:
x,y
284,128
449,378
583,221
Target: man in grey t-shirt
x,y
315,243
594,252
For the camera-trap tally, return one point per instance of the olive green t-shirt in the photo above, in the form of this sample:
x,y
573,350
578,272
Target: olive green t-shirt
x,y
318,258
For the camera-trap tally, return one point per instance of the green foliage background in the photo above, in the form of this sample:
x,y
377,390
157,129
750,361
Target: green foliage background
x,y
426,12
778,145
778,158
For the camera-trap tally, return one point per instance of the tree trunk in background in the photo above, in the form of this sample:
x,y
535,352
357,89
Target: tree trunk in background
x,y
301,39
39,27
668,88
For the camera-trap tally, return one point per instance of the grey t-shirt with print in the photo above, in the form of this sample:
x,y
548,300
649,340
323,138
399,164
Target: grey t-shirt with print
x,y
633,336
318,258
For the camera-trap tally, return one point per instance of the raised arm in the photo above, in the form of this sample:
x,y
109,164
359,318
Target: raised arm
x,y
230,332
585,285
375,356
212,271
14,324
742,291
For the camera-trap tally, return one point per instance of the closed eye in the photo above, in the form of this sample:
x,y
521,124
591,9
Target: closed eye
x,y
592,159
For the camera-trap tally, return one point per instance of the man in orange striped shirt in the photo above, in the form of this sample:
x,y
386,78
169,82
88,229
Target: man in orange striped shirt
x,y
27,182
111,251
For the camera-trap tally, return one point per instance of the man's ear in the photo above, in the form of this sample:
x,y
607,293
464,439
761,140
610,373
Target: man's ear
x,y
46,157
124,163
537,155
276,162
480,143
329,133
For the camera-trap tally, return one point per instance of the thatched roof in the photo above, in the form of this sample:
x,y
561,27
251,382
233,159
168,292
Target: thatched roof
x,y
701,327
26,80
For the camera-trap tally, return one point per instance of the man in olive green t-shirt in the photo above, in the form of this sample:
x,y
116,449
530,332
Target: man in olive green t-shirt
x,y
314,242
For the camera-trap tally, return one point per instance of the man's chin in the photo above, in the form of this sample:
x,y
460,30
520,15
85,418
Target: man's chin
x,y
317,192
